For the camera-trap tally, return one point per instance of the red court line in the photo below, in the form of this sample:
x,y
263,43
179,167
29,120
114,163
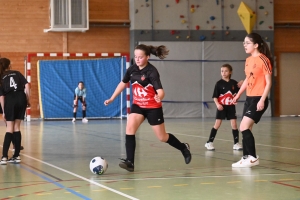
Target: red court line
x,y
285,184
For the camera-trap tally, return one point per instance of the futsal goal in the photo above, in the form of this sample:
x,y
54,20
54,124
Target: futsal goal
x,y
54,76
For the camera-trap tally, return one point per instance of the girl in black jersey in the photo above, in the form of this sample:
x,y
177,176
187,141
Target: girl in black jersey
x,y
147,96
225,90
13,101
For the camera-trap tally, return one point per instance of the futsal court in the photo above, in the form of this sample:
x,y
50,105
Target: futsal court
x,y
55,162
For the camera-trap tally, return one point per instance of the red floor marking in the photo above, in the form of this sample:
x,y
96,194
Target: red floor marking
x,y
23,186
289,185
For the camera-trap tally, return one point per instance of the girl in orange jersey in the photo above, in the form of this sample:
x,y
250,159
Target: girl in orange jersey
x,y
258,70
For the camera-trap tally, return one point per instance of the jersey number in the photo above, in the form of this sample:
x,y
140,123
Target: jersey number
x,y
12,83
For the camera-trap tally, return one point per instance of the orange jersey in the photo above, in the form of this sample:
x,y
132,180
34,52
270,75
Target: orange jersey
x,y
255,69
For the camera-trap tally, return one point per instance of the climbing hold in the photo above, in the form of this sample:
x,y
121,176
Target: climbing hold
x,y
183,21
177,37
231,6
202,37
213,33
181,16
197,6
136,10
142,32
227,27
261,7
188,37
192,10
270,27
227,33
213,27
212,18
167,5
261,22
247,16
177,1
192,6
172,32
197,27
147,5
157,21
266,13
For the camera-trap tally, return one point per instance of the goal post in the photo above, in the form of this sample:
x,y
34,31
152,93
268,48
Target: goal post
x,y
76,56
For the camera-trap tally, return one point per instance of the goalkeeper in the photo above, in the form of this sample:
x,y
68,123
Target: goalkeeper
x,y
80,94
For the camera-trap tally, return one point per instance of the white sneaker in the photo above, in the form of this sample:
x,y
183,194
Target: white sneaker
x,y
73,120
3,161
209,146
85,120
248,161
237,146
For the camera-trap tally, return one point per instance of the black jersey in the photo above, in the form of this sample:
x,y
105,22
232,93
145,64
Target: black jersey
x,y
12,81
144,82
225,91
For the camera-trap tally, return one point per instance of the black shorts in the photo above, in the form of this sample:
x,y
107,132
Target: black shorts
x,y
250,108
80,99
228,112
15,104
155,116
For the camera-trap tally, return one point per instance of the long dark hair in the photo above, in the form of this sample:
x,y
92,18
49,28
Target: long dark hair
x,y
262,45
160,51
4,65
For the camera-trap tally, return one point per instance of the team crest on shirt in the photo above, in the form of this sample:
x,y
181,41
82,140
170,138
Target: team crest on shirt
x,y
143,77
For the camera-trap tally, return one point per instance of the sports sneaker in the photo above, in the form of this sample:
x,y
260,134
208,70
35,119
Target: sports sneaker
x,y
85,120
14,160
126,164
187,154
248,161
237,146
209,146
73,120
3,161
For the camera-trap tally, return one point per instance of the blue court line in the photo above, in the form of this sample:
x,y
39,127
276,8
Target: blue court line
x,y
55,183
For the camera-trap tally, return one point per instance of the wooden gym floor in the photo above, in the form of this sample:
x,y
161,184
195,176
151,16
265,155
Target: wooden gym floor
x,y
55,162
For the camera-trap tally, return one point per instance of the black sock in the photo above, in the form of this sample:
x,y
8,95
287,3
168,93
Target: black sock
x,y
17,137
7,140
212,135
174,142
249,142
74,115
245,151
235,134
130,147
84,113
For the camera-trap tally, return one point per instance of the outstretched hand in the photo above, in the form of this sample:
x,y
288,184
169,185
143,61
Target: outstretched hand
x,y
108,101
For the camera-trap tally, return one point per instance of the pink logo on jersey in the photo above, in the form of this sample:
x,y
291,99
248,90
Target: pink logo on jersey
x,y
143,77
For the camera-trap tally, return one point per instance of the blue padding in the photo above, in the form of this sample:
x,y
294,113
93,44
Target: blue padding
x,y
59,78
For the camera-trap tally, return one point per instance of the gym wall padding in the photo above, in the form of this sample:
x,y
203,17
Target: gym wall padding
x,y
59,78
190,72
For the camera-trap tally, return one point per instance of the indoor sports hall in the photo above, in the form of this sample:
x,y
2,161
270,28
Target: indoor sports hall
x,y
56,45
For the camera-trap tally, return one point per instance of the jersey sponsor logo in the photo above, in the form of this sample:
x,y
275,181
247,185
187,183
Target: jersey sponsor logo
x,y
140,92
143,77
226,99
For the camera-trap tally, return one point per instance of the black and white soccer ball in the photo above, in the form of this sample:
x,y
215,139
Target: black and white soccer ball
x,y
98,165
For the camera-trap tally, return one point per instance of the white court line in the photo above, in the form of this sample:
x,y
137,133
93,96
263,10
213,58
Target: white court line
x,y
200,177
81,177
266,145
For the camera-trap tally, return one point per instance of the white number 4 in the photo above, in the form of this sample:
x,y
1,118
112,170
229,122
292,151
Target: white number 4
x,y
12,83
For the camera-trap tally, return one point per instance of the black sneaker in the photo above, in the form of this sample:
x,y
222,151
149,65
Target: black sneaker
x,y
126,164
187,154
14,160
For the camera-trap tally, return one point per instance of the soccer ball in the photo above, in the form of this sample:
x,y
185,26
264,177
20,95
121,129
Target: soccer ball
x,y
98,165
